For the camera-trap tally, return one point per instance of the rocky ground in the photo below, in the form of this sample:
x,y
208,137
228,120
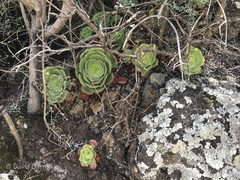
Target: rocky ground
x,y
159,128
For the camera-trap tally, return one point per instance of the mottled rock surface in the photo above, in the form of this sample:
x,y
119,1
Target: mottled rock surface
x,y
151,91
193,134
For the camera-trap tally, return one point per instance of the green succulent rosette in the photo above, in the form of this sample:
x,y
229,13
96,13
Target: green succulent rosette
x,y
94,70
57,84
118,38
97,18
148,60
87,156
86,32
196,60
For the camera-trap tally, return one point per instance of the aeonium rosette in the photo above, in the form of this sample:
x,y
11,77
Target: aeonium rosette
x,y
147,60
118,38
196,60
87,154
94,70
57,84
86,32
98,17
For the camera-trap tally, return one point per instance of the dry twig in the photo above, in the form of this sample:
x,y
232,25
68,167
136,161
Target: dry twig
x,y
14,132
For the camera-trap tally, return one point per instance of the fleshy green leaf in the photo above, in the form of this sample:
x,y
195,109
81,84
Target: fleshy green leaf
x,y
129,52
115,19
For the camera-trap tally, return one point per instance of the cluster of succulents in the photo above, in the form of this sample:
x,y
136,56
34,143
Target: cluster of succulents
x,y
97,18
87,155
57,84
94,70
196,60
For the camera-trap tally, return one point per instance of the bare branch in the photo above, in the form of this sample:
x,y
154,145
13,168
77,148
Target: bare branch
x,y
31,5
66,11
14,132
25,19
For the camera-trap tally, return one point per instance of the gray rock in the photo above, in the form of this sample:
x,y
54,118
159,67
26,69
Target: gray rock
x,y
195,134
151,91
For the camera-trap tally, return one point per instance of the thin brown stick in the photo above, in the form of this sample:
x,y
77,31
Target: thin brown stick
x,y
14,132
25,19
44,83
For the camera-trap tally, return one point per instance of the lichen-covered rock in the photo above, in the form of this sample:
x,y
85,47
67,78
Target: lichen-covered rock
x,y
195,134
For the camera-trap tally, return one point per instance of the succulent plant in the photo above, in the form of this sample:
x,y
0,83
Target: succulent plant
x,y
86,32
201,3
115,19
147,60
94,70
58,83
196,60
119,38
87,154
127,59
97,18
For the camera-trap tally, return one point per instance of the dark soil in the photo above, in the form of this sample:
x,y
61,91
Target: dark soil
x,y
109,119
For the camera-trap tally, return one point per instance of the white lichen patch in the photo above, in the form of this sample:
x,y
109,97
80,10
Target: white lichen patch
x,y
236,162
188,100
177,104
179,147
151,149
183,116
204,144
142,167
